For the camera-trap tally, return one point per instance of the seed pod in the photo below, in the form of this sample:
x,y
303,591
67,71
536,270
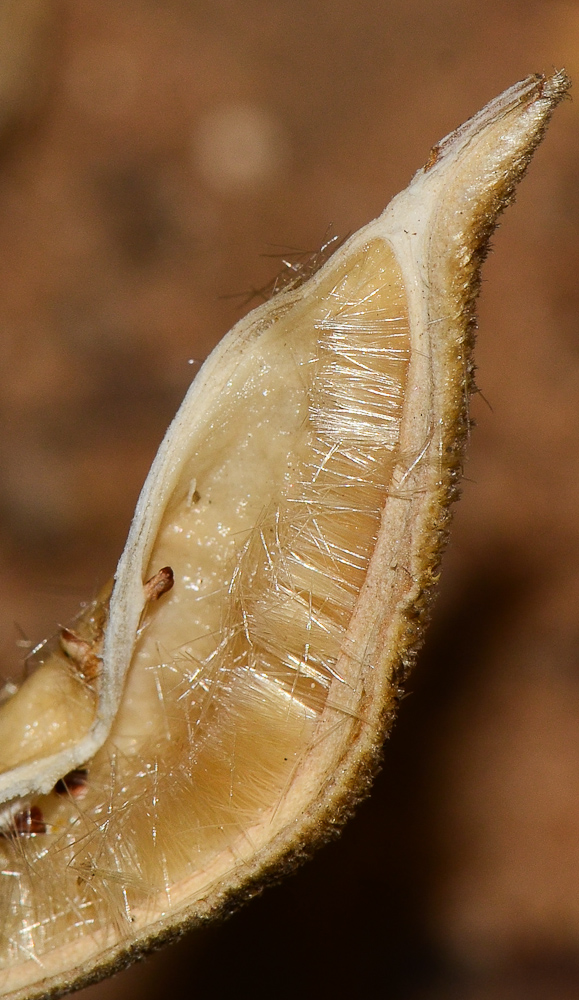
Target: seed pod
x,y
227,709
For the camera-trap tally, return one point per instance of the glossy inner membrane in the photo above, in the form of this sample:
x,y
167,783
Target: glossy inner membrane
x,y
269,534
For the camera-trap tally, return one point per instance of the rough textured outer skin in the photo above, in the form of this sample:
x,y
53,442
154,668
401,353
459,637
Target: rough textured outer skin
x,y
354,773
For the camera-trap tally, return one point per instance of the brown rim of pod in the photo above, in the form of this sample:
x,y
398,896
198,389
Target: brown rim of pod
x,y
220,711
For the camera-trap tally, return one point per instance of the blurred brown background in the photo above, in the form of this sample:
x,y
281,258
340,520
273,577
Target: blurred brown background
x,y
154,155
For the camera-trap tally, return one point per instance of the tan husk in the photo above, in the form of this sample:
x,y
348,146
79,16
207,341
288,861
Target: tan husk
x,y
302,499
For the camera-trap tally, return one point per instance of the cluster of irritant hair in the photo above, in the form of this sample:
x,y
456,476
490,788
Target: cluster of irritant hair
x,y
120,835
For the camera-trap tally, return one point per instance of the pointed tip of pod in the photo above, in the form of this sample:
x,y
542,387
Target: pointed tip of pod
x,y
453,202
529,103
452,206
551,89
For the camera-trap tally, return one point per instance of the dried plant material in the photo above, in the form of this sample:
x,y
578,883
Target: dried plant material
x,y
226,709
